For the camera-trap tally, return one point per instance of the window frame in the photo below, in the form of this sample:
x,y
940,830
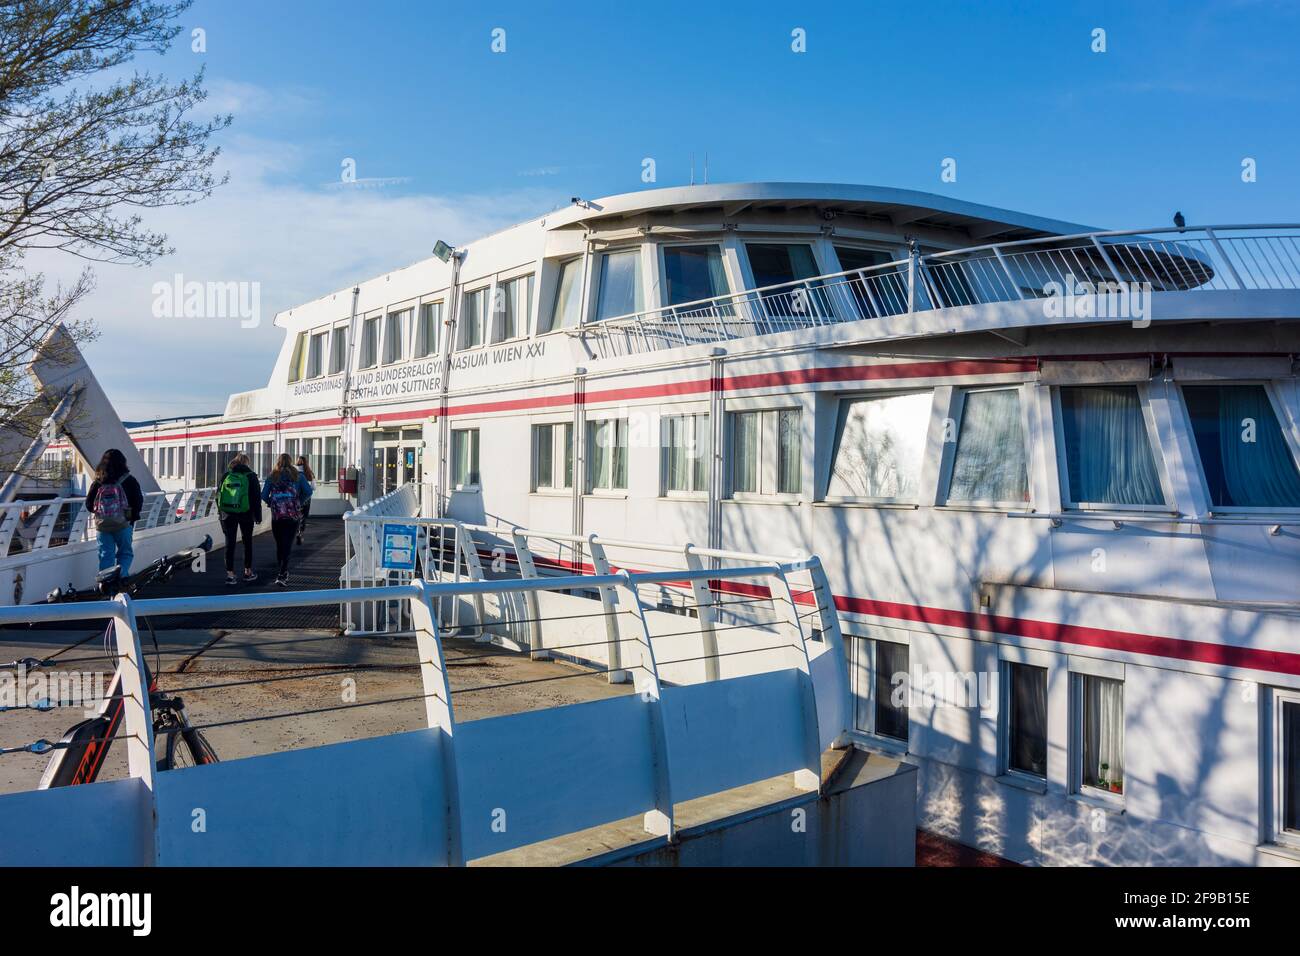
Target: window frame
x,y
597,281
526,320
661,263
298,357
863,663
1108,670
768,455
440,303
324,334
1005,770
475,456
559,448
338,365
403,313
558,264
923,490
366,323
486,318
1280,414
665,450
948,456
588,479
1168,506
1273,745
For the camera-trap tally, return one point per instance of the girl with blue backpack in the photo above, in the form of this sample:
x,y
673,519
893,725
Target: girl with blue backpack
x,y
116,501
286,491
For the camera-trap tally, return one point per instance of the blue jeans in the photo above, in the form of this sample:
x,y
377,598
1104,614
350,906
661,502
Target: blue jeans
x,y
115,548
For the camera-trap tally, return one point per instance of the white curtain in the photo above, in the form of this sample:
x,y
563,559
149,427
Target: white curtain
x,y
789,476
620,284
745,455
990,462
1103,728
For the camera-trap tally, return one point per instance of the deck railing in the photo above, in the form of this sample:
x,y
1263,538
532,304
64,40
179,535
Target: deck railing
x,y
1239,257
41,524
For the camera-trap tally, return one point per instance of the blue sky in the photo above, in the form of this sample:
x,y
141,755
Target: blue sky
x,y
459,140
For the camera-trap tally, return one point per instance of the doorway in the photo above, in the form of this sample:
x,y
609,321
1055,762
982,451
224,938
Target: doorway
x,y
396,459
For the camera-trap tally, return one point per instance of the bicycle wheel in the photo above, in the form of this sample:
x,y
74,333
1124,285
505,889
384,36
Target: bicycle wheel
x,y
188,748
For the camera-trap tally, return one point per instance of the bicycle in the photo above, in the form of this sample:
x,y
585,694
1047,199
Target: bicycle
x,y
79,755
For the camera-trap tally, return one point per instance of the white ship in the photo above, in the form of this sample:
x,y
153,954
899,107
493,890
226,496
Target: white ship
x,y
1051,470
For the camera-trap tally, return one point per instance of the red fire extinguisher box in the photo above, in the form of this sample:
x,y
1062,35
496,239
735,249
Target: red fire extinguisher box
x,y
347,481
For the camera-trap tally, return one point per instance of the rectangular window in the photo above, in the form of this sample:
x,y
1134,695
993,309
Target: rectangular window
x,y
686,453
316,356
1289,766
692,273
464,458
395,336
1107,446
299,360
567,307
339,350
607,455
552,447
878,293
1026,719
330,461
1101,711
891,660
879,446
778,263
426,336
620,284
990,463
514,301
369,343
1244,454
767,452
473,316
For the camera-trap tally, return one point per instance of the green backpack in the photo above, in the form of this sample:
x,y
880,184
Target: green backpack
x,y
233,498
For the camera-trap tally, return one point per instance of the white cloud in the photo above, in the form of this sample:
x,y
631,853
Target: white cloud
x,y
299,242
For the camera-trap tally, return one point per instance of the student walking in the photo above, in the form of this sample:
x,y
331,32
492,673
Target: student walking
x,y
116,501
304,469
239,502
286,491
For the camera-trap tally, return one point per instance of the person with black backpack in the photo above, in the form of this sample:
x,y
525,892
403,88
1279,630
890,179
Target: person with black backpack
x,y
239,502
116,501
286,492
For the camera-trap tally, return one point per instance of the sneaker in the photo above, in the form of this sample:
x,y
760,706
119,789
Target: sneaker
x,y
230,579
250,577
300,539
283,580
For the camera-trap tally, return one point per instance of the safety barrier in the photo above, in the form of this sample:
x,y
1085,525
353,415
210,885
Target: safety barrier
x,y
460,791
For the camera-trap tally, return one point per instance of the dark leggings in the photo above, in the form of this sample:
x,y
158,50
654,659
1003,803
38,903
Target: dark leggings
x,y
306,510
283,531
232,525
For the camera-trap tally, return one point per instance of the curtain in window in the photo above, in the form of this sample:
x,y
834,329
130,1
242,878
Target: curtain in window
x,y
471,322
1103,733
1243,452
544,440
568,456
464,457
1027,751
789,474
601,453
692,273
1107,446
745,451
679,476
568,297
990,464
426,340
620,284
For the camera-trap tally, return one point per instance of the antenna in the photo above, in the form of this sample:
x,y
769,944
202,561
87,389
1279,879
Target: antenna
x,y
692,167
706,167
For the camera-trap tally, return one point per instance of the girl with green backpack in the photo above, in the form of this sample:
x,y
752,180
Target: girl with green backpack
x,y
239,502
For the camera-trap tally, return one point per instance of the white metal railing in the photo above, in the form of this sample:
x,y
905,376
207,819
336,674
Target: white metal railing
x,y
432,796
38,525
1239,257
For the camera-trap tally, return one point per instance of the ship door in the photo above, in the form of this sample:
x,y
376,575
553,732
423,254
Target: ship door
x,y
396,459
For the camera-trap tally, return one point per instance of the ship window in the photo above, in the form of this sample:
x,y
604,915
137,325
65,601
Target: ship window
x,y
330,462
989,463
464,457
692,273
395,336
777,263
686,453
620,284
1284,748
426,333
879,447
880,675
1107,445
568,297
553,456
472,319
316,355
607,454
339,350
1101,727
513,303
296,363
766,452
369,343
1026,719
1244,455
877,293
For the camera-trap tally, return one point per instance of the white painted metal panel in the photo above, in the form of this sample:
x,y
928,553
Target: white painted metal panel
x,y
361,803
97,824
727,733
532,776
